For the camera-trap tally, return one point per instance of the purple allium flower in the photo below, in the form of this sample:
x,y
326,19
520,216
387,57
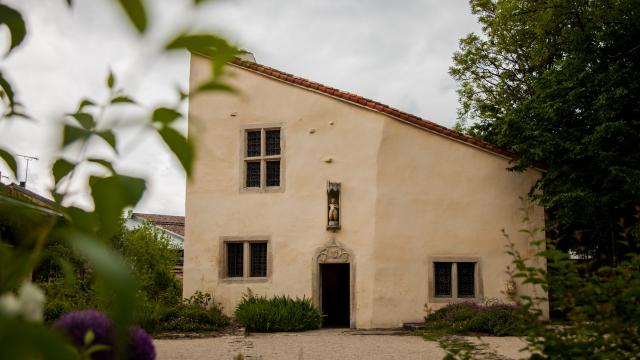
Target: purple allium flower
x,y
141,345
76,324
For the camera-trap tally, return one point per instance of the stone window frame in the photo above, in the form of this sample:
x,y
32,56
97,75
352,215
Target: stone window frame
x,y
263,158
246,258
478,291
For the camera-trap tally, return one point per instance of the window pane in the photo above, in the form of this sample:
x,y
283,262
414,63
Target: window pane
x,y
235,255
442,275
253,174
253,143
466,279
258,259
273,173
273,142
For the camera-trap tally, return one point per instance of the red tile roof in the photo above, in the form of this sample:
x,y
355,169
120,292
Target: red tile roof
x,y
168,222
372,105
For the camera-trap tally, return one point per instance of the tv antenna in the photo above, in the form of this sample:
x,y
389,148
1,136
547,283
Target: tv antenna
x,y
26,170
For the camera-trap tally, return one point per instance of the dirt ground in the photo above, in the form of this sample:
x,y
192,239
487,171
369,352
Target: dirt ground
x,y
321,344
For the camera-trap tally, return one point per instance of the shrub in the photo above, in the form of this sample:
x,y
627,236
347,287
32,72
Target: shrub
x,y
195,314
280,313
198,313
492,318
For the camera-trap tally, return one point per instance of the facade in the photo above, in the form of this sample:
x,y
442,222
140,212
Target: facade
x,y
374,214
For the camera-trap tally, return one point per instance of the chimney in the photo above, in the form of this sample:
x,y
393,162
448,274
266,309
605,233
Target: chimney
x,y
246,55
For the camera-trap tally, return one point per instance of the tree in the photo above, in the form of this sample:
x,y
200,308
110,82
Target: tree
x,y
557,82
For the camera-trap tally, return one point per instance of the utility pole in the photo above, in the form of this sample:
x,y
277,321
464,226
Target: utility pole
x,y
26,170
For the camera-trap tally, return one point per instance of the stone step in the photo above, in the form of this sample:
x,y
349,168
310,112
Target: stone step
x,y
414,326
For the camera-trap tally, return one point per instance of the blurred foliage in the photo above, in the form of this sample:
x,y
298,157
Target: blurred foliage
x,y
558,83
279,313
88,264
151,258
600,304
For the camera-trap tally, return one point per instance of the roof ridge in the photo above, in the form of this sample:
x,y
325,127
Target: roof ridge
x,y
372,105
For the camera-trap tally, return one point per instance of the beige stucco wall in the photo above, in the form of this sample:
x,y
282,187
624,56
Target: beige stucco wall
x,y
407,195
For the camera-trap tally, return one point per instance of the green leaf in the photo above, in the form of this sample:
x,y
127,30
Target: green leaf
x,y
84,103
72,134
109,137
89,337
136,13
13,20
62,168
180,146
111,80
181,94
197,41
111,195
8,90
83,220
27,340
68,270
122,100
107,164
85,119
113,278
95,348
216,86
210,45
165,115
10,161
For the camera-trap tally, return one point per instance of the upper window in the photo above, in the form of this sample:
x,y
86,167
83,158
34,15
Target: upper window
x,y
455,279
262,158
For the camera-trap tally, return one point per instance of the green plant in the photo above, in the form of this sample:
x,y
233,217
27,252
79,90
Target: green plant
x,y
600,304
601,308
492,318
26,228
279,313
198,313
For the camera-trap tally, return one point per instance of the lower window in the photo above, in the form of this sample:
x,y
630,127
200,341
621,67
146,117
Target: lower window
x,y
455,279
246,259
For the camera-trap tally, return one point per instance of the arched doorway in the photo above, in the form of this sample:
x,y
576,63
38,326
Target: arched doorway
x,y
333,284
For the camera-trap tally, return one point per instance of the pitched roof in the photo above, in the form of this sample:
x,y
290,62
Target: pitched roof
x,y
20,193
372,105
168,222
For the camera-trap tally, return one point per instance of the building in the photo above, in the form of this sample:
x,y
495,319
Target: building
x,y
373,213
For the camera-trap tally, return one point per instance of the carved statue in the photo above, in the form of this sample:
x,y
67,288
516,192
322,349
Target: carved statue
x,y
333,211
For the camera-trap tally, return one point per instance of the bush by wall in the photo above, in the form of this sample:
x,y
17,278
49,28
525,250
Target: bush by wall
x,y
280,313
492,318
198,313
147,251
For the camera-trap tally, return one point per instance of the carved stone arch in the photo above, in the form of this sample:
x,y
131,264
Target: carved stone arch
x,y
334,253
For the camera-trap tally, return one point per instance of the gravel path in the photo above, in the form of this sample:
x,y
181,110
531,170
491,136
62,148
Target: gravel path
x,y
322,344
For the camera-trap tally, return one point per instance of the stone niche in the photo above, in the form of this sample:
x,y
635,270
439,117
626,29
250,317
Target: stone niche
x,y
333,206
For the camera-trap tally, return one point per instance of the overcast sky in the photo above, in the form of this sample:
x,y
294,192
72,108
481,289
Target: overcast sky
x,y
395,52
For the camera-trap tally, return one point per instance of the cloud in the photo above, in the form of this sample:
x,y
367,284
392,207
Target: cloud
x,y
396,52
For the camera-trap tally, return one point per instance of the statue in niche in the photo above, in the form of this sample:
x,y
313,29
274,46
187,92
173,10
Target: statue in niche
x,y
333,212
333,206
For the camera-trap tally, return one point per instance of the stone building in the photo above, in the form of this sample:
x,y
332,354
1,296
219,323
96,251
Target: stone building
x,y
373,213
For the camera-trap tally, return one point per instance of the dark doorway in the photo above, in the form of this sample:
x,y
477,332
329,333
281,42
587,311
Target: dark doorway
x,y
335,288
